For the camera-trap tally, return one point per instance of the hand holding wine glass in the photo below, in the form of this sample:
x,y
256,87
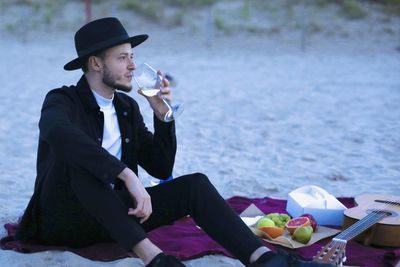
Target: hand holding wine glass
x,y
155,88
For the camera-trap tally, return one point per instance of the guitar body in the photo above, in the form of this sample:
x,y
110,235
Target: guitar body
x,y
384,233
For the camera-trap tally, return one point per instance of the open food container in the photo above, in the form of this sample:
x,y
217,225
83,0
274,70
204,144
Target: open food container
x,y
325,208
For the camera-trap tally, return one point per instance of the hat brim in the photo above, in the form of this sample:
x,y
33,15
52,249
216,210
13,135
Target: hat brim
x,y
79,61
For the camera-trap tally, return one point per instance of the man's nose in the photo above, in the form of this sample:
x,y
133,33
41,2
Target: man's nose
x,y
131,65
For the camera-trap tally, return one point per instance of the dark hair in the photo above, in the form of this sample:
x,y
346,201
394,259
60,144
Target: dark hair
x,y
101,55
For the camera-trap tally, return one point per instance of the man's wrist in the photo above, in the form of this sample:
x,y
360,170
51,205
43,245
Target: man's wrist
x,y
158,117
126,174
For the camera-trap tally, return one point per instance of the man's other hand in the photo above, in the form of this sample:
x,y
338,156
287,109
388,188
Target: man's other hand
x,y
139,194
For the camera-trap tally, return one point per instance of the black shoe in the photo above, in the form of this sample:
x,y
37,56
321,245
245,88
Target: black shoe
x,y
282,259
162,260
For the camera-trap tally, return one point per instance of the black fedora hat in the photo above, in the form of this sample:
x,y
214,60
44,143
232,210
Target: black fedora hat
x,y
99,35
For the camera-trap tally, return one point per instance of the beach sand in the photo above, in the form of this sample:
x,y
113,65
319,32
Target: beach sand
x,y
262,115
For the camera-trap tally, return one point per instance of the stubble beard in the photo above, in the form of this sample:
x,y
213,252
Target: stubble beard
x,y
111,80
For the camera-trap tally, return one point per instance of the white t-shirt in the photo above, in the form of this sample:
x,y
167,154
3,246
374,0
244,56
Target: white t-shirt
x,y
111,132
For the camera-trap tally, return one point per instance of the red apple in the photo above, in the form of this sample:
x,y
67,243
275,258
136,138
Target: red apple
x,y
313,222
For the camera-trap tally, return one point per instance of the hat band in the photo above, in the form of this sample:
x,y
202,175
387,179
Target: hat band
x,y
102,45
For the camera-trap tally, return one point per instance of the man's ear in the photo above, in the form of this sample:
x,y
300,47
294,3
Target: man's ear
x,y
94,63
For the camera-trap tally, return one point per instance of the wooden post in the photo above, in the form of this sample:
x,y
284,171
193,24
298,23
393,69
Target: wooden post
x,y
210,27
88,10
304,27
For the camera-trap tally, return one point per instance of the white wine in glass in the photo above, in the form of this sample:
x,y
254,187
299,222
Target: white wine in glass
x,y
150,91
150,83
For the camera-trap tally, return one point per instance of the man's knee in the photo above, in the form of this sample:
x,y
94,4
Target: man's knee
x,y
197,180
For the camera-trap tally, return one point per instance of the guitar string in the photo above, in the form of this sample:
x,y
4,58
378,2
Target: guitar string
x,y
363,224
340,254
339,244
353,227
370,221
390,202
351,232
333,253
356,228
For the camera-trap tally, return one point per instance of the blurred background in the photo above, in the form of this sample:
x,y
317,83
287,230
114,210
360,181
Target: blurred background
x,y
210,19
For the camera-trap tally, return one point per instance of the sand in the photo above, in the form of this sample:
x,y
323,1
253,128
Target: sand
x,y
262,115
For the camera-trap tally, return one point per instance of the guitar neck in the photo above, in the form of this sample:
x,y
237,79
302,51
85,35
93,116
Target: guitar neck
x,y
334,252
362,225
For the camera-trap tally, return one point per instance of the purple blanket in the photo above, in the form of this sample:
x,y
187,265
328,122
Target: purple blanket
x,y
185,241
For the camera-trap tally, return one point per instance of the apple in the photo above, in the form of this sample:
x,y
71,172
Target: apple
x,y
265,222
313,222
303,234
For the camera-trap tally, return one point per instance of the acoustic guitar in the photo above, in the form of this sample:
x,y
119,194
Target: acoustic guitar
x,y
375,221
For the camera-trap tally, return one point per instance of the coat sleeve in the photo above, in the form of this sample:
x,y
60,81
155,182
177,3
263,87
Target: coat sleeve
x,y
70,143
156,153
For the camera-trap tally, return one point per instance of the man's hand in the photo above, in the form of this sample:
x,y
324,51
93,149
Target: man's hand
x,y
156,102
139,194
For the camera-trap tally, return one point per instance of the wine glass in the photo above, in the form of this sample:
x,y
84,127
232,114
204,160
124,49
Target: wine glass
x,y
150,83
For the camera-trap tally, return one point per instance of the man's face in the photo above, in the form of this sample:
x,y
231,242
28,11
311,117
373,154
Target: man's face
x,y
118,67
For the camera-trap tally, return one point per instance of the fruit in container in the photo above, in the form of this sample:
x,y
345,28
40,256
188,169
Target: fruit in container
x,y
280,219
295,223
273,232
303,234
313,222
265,222
273,224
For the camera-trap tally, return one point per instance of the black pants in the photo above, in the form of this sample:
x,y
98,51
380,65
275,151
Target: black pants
x,y
93,212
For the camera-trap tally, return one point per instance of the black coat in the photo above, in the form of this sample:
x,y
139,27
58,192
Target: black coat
x,y
71,131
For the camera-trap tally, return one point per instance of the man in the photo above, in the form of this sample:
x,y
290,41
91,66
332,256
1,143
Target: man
x,y
91,141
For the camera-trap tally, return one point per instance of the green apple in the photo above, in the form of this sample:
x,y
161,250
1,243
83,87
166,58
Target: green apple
x,y
303,234
265,222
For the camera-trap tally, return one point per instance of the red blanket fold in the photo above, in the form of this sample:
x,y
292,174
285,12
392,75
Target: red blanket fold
x,y
185,241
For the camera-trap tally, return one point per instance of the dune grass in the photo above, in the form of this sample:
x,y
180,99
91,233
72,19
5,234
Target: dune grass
x,y
174,12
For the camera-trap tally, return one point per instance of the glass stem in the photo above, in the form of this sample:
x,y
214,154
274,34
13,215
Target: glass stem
x,y
169,115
